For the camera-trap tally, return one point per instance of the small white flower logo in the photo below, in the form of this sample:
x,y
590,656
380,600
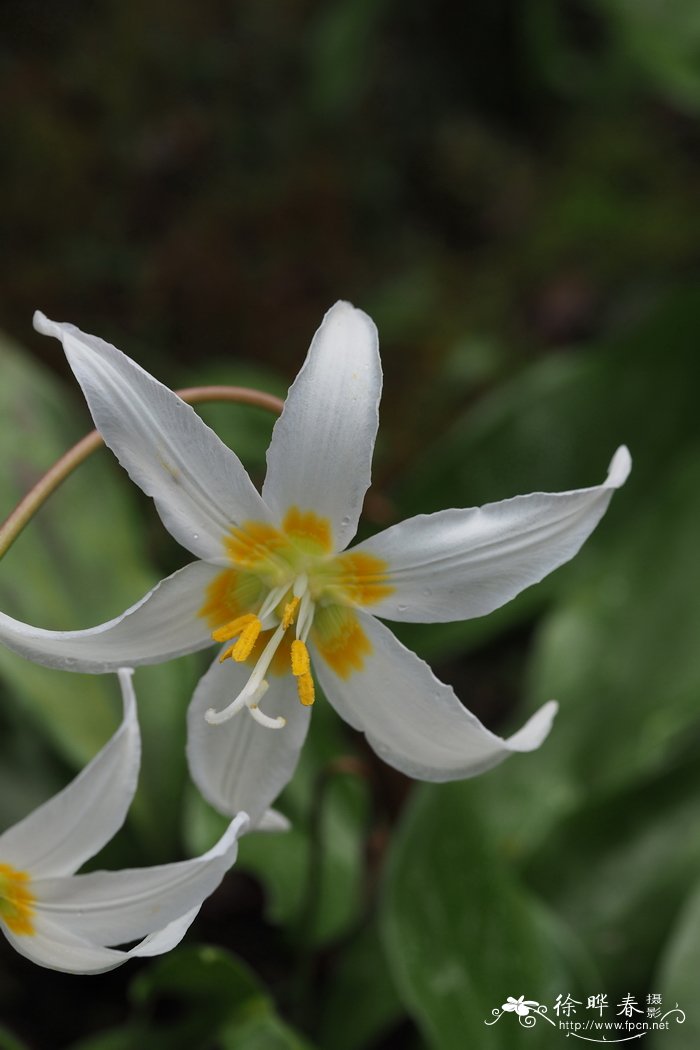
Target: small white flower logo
x,y
520,1006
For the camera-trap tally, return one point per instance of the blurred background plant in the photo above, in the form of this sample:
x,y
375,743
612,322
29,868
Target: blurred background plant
x,y
511,191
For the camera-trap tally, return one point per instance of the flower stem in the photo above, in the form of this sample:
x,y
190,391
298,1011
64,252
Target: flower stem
x,y
64,467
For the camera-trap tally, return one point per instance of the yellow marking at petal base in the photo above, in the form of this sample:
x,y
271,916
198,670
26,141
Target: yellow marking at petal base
x,y
281,661
230,630
229,595
300,658
290,611
16,902
246,642
305,688
362,577
253,543
340,639
308,530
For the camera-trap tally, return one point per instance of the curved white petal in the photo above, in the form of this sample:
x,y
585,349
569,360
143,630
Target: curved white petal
x,y
272,820
457,564
200,486
54,946
320,456
76,823
242,764
112,907
165,623
415,722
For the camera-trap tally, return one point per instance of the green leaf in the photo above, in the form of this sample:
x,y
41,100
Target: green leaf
x,y
8,1041
678,978
262,1033
616,870
662,42
360,1003
187,999
462,934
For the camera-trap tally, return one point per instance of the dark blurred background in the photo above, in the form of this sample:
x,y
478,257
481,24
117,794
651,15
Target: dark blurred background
x,y
512,191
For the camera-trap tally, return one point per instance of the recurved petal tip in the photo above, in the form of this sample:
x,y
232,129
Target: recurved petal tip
x,y
43,324
620,466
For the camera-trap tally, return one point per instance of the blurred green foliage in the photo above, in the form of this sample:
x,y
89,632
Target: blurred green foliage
x,y
512,191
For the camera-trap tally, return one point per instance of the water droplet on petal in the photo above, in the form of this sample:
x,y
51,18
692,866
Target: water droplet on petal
x,y
401,608
195,535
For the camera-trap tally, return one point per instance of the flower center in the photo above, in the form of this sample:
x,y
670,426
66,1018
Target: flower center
x,y
16,902
284,581
296,606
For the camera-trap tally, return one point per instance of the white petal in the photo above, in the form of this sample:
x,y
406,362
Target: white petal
x,y
320,456
200,486
77,822
241,764
272,820
457,564
112,907
415,722
54,946
165,623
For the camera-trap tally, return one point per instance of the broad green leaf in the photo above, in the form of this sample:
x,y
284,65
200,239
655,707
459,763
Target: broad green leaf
x,y
198,997
8,1041
662,42
461,933
360,1003
262,1033
616,870
678,978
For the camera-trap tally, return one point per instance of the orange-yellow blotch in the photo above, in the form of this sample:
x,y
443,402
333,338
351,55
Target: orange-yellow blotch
x,y
305,688
229,595
253,543
308,530
16,902
281,661
340,640
362,577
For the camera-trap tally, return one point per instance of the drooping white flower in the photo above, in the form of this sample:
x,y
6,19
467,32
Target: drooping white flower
x,y
70,922
276,586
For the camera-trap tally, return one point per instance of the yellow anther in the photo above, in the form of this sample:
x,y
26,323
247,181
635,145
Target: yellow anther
x,y
305,688
230,630
245,644
16,902
300,659
290,611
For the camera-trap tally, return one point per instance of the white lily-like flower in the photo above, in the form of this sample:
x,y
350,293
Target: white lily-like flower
x,y
275,584
68,922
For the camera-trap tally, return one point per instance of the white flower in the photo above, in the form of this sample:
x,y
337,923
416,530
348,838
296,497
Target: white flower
x,y
277,587
66,921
